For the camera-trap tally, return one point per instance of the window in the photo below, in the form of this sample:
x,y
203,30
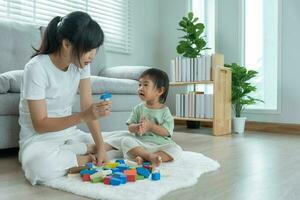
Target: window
x,y
260,49
205,11
112,15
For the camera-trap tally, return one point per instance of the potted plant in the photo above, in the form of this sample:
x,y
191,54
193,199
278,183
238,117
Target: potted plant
x,y
241,89
191,45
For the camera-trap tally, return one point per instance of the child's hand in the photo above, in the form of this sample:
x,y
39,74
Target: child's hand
x,y
145,126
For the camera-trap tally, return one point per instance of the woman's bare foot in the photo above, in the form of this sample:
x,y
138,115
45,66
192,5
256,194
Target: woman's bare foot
x,y
139,160
155,160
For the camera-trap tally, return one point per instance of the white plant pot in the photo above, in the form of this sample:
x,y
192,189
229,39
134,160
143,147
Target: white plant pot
x,y
239,124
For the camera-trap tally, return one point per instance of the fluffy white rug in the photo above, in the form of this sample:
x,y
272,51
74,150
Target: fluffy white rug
x,y
184,173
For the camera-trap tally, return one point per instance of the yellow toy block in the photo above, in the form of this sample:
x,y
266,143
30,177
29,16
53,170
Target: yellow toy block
x,y
111,165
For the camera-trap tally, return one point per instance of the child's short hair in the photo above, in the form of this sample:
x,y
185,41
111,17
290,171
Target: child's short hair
x,y
160,79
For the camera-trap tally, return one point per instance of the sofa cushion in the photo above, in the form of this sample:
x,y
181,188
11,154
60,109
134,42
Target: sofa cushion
x,y
11,102
11,81
113,85
17,40
124,72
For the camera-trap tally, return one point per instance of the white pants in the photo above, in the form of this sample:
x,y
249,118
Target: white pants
x,y
129,141
46,160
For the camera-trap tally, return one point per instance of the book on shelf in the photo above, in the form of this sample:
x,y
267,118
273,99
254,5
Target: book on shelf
x,y
183,69
194,105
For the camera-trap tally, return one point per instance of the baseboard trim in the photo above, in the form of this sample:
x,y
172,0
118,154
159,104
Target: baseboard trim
x,y
283,128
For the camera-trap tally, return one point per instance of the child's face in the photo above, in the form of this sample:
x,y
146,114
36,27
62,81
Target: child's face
x,y
147,90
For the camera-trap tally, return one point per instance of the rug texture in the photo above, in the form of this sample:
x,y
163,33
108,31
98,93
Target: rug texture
x,y
180,174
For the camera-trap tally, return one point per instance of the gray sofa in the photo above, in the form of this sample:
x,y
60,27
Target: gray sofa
x,y
16,43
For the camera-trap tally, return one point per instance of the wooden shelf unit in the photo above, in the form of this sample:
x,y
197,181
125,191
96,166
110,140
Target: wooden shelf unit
x,y
221,81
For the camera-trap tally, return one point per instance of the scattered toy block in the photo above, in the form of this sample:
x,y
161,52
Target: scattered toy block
x,y
146,163
97,180
121,161
106,180
111,165
155,176
143,171
123,167
120,176
102,174
86,177
115,170
89,165
131,178
149,167
115,181
139,177
130,172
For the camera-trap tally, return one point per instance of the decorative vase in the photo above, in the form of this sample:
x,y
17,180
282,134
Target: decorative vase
x,y
239,124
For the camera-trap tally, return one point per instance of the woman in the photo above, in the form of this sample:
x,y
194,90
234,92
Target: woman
x,y
50,143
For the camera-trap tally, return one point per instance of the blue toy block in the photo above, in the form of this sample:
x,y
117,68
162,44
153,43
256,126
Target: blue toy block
x,y
123,167
143,171
114,170
89,165
115,181
120,176
87,171
106,96
146,163
155,176
121,161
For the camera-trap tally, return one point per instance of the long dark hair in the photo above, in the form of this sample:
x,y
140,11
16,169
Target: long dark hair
x,y
78,27
160,79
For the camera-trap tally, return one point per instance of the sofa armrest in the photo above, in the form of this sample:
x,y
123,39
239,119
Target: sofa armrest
x,y
124,72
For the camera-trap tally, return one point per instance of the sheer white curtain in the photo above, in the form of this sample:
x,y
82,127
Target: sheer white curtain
x,y
261,47
112,15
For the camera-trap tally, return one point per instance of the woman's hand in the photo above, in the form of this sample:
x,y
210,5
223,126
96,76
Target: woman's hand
x,y
101,158
96,110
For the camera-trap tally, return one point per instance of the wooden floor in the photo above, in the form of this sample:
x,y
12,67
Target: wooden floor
x,y
253,166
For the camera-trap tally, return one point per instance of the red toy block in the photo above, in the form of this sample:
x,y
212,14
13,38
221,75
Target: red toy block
x,y
106,180
86,177
131,178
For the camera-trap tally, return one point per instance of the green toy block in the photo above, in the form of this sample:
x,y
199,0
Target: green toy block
x,y
139,177
97,180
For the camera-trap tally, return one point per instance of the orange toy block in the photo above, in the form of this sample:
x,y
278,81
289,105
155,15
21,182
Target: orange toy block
x,y
130,172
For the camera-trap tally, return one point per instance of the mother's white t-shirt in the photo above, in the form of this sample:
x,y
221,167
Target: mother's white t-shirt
x,y
43,80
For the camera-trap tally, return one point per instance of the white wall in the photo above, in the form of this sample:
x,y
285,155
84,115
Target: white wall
x,y
228,33
155,38
145,36
171,12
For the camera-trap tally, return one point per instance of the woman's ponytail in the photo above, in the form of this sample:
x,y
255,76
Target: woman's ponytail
x,y
51,41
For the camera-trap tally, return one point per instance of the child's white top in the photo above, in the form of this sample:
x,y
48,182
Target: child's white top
x,y
43,80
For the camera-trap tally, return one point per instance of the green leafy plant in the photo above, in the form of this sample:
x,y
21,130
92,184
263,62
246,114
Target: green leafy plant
x,y
241,88
192,42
